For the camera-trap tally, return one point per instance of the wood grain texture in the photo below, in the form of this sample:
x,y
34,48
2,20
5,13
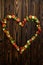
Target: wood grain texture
x,y
21,8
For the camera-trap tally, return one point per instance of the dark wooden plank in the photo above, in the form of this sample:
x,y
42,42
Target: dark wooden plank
x,y
21,8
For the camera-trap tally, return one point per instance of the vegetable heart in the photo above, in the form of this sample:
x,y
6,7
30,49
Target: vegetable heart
x,y
27,19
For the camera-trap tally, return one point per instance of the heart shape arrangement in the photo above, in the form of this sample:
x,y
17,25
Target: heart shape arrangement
x,y
27,19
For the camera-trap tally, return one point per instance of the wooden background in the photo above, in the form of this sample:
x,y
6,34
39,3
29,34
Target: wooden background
x,y
21,8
